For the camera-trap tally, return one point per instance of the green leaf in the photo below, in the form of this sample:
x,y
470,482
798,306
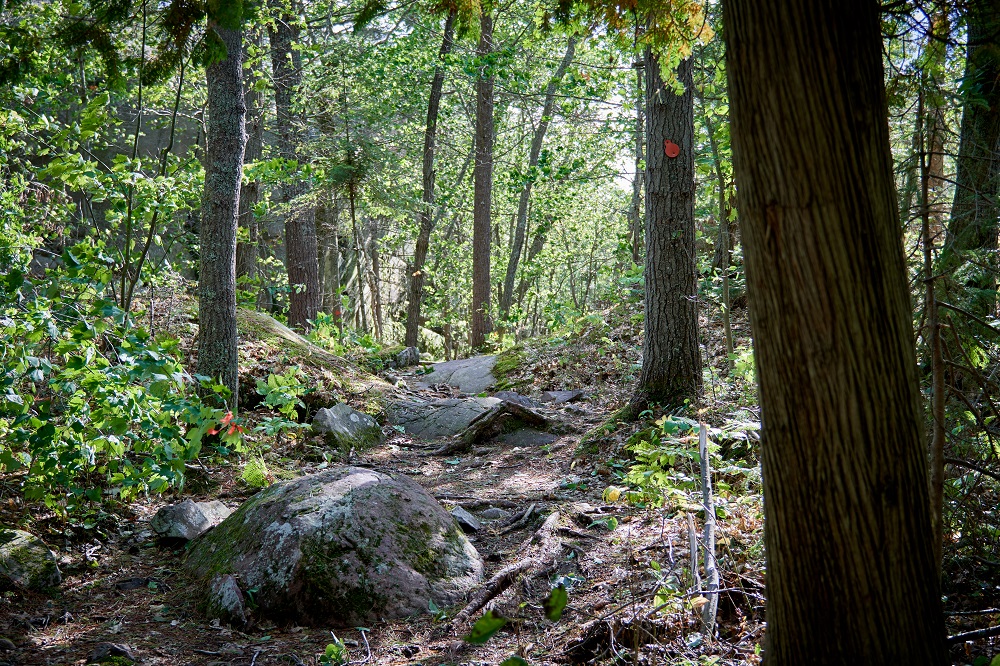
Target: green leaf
x,y
484,628
555,603
513,660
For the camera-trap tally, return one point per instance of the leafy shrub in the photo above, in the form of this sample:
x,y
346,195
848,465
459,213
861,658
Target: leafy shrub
x,y
91,406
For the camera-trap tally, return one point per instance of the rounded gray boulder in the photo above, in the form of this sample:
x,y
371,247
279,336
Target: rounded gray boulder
x,y
347,545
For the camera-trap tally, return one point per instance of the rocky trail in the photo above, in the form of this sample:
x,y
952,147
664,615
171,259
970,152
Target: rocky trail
x,y
505,466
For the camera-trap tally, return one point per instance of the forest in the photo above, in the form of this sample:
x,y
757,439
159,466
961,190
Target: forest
x,y
477,332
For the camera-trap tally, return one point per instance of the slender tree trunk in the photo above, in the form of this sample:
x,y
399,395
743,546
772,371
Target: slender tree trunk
x,y
932,336
375,278
635,210
536,148
483,173
226,139
671,368
426,216
301,248
328,232
850,568
975,212
248,251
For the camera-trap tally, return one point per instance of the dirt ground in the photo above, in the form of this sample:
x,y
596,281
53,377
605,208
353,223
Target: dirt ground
x,y
122,586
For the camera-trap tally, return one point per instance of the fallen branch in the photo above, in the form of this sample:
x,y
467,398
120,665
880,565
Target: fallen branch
x,y
973,635
957,462
518,522
548,546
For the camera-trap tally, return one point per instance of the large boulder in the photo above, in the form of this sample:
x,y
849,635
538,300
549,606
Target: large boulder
x,y
26,562
346,545
188,519
345,428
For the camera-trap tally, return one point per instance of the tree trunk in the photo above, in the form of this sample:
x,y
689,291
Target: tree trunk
x,y
483,173
247,252
328,235
850,570
226,139
635,210
535,150
975,211
301,248
427,209
671,368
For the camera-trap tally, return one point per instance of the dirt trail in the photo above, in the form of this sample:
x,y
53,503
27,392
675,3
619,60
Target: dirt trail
x,y
122,587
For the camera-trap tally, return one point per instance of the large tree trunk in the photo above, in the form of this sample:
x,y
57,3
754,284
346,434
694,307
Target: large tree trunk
x,y
671,367
975,212
427,209
226,139
301,248
483,196
850,571
533,153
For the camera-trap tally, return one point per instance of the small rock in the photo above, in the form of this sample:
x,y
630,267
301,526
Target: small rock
x,y
559,397
104,652
407,357
226,602
466,520
188,519
7,645
495,513
345,428
26,562
516,398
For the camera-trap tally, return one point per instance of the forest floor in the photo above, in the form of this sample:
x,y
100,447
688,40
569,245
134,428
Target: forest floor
x,y
626,566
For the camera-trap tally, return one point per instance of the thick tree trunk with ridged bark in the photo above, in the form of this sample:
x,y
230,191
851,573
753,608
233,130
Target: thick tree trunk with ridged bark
x,y
301,247
975,214
483,190
851,578
671,359
226,140
427,209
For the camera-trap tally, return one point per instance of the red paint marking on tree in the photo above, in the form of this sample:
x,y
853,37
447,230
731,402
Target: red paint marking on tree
x,y
671,149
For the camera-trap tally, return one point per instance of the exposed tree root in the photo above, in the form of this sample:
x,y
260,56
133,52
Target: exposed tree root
x,y
545,545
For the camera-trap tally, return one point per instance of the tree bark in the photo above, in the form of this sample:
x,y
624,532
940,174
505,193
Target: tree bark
x,y
226,139
248,252
850,569
975,211
533,154
301,247
426,216
483,175
671,368
635,210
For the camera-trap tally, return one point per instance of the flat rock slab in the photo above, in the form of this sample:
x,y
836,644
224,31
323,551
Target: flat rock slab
x,y
516,398
26,562
470,375
188,519
526,438
435,419
345,545
560,397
